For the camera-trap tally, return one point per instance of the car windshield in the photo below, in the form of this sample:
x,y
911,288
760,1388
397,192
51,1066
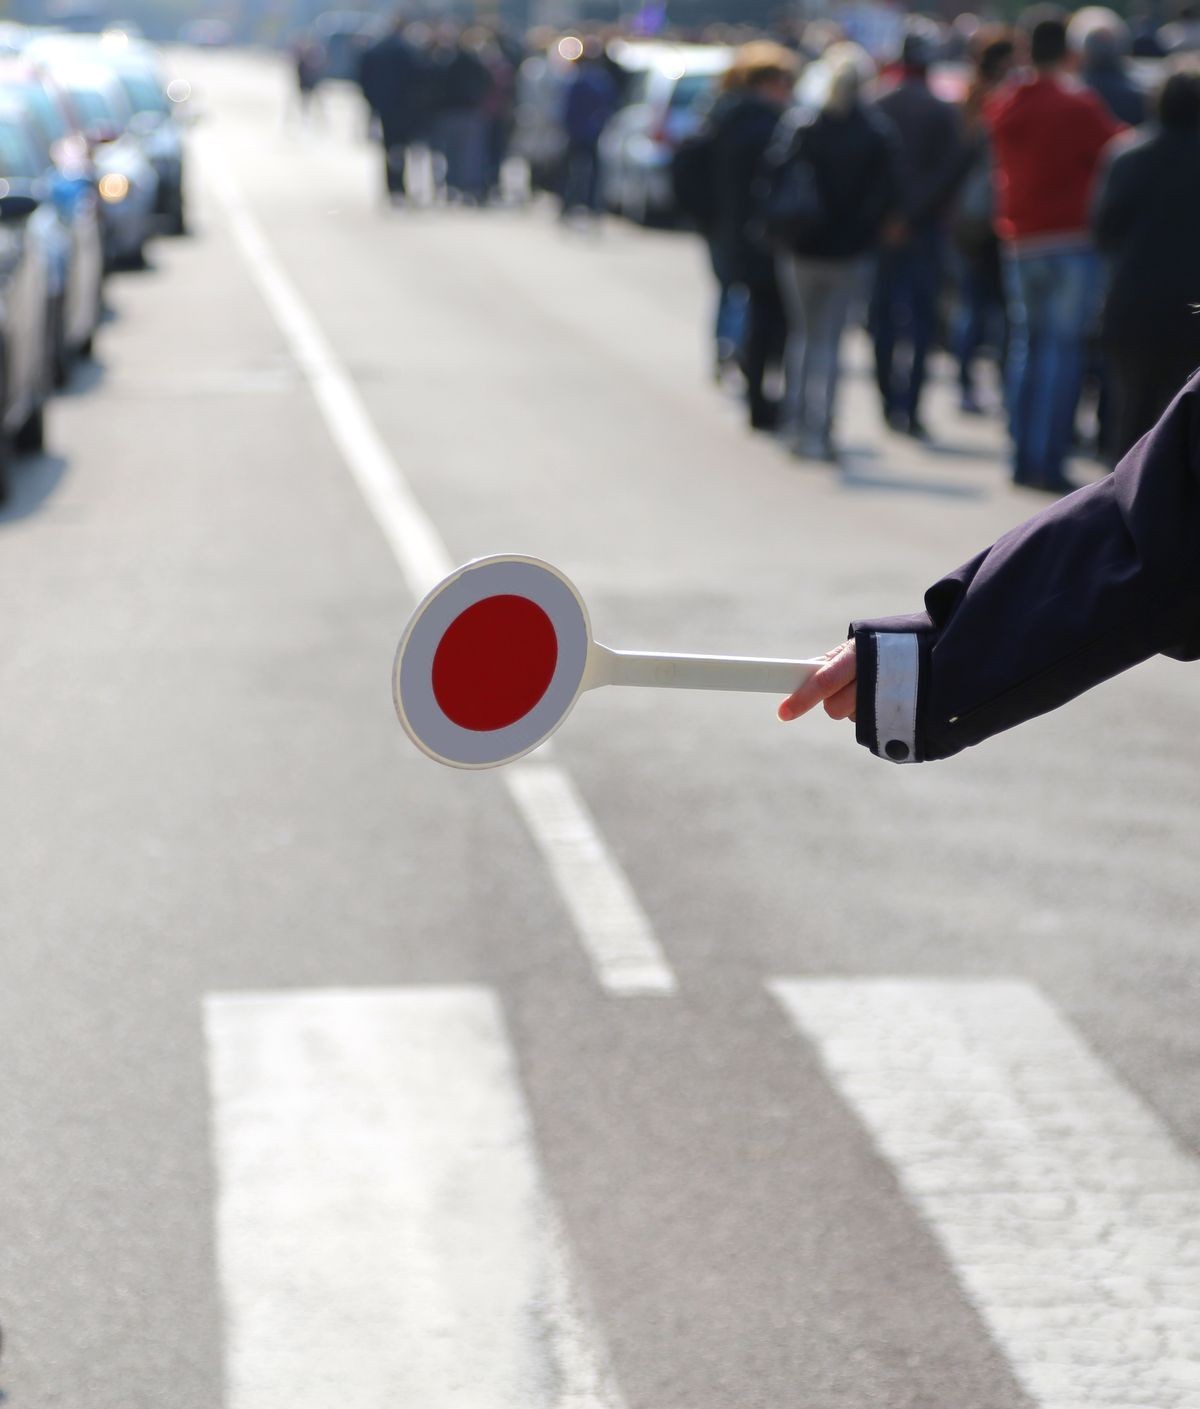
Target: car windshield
x,y
144,94
92,106
43,109
16,155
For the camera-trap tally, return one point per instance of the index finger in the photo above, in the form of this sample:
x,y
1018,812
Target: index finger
x,y
839,671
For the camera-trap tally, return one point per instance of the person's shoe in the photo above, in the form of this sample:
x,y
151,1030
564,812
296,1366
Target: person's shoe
x,y
916,429
896,420
764,416
814,447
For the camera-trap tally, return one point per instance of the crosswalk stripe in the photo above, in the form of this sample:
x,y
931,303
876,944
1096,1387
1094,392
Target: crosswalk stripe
x,y
384,1235
1069,1212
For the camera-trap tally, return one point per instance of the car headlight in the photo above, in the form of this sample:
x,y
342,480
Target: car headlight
x,y
113,187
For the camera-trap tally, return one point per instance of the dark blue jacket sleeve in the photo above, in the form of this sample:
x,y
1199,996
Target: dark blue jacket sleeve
x,y
1099,581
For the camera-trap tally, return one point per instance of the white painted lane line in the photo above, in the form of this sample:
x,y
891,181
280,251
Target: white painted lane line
x,y
1069,1213
583,867
384,1236
414,540
612,925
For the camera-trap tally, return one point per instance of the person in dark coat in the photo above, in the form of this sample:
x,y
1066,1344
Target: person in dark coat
x,y
1095,584
1146,219
911,264
852,152
589,100
461,88
1101,38
309,58
757,89
391,76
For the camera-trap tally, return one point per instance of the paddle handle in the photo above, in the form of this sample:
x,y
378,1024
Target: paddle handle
x,y
675,672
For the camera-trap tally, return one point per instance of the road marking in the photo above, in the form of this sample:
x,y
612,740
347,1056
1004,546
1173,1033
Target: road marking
x,y
383,1232
1069,1212
626,956
612,925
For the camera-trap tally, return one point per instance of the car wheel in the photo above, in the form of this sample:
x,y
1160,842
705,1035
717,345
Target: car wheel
x,y
31,438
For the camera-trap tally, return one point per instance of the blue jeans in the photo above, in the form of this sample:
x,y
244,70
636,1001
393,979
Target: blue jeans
x,y
460,134
1051,303
903,311
581,184
980,317
732,305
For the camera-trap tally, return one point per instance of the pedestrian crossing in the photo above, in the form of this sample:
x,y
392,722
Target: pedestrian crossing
x,y
1069,1213
386,1237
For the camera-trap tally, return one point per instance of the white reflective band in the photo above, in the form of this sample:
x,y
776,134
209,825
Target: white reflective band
x,y
897,670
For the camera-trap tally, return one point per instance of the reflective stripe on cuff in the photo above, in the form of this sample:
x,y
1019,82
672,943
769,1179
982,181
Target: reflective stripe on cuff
x,y
897,670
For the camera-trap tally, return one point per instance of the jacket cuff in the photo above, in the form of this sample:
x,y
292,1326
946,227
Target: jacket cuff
x,y
892,666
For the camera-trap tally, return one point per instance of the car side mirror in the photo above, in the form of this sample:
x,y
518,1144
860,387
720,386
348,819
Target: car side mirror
x,y
14,207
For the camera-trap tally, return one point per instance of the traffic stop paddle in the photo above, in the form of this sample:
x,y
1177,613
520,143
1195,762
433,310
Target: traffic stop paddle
x,y
494,658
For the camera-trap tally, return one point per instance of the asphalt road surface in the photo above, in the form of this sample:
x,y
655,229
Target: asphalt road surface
x,y
703,1063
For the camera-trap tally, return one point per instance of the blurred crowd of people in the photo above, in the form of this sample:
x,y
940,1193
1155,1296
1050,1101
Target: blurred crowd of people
x,y
444,88
1049,212
1019,195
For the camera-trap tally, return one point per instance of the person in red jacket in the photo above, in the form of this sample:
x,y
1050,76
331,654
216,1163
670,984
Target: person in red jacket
x,y
1047,136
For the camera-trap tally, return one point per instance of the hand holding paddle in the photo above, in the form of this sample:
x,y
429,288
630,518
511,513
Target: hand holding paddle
x,y
494,658
834,684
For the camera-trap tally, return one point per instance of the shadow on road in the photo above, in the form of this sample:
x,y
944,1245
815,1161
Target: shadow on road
x,y
85,377
852,478
952,450
32,480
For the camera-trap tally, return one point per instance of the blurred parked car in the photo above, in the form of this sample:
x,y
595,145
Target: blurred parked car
x,y
76,242
157,125
671,88
152,119
25,224
126,179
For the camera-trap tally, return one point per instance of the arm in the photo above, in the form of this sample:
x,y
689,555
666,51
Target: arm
x,y
1091,586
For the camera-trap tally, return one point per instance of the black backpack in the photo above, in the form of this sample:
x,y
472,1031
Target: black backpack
x,y
791,206
693,177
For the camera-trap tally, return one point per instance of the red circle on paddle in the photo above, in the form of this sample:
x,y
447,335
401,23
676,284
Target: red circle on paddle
x,y
494,662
